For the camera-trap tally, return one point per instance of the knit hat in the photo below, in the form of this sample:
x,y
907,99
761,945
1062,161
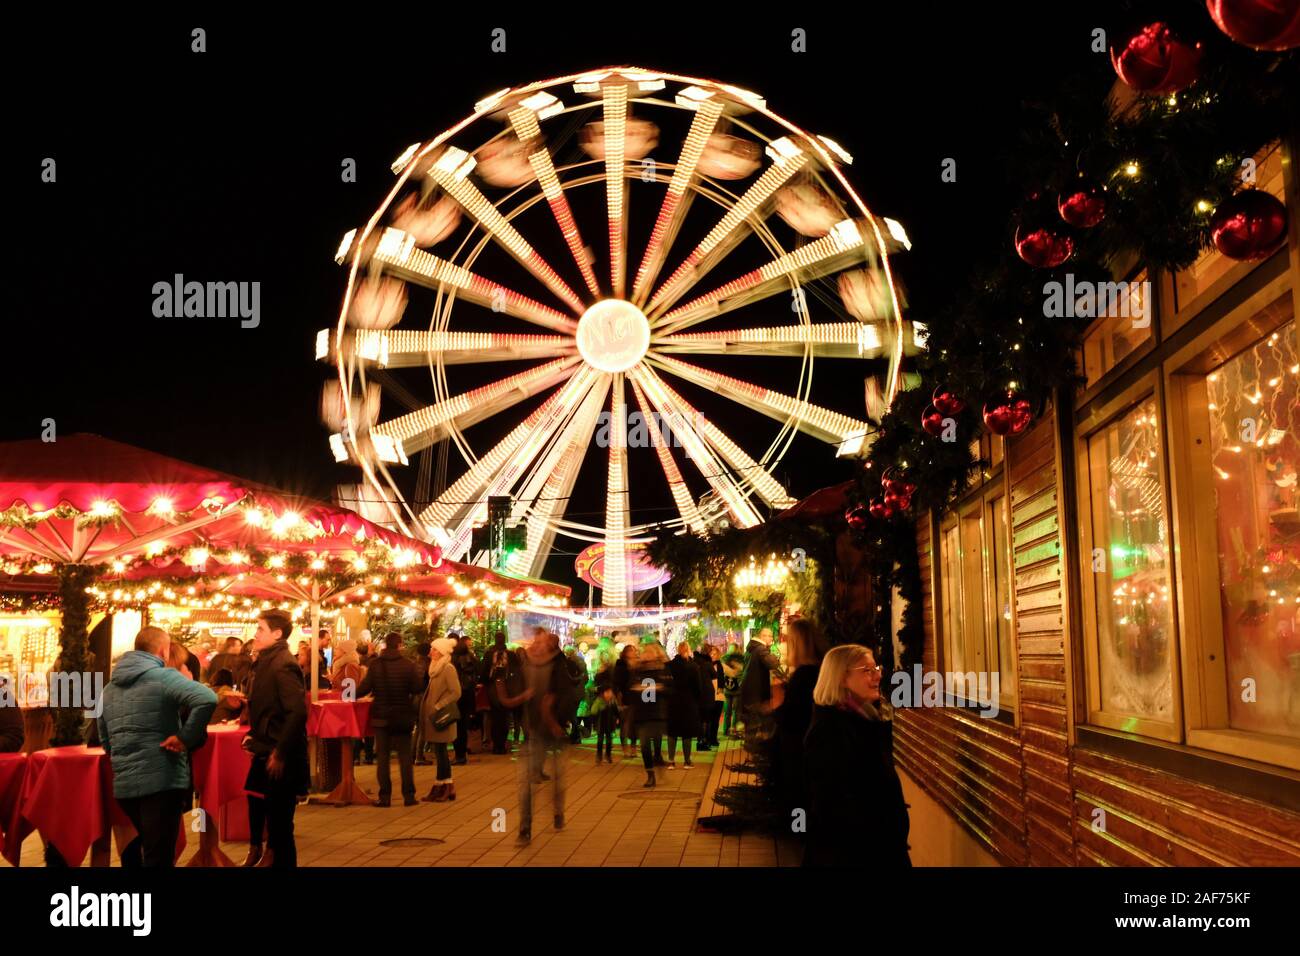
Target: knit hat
x,y
444,646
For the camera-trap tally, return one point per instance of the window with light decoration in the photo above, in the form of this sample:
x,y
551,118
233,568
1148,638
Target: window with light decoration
x,y
1134,656
1253,404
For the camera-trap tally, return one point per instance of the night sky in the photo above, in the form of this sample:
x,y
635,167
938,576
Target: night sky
x,y
224,166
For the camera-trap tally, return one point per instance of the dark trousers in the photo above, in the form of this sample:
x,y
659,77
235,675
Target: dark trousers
x,y
281,800
627,729
672,748
462,731
385,740
444,765
256,820
500,720
652,741
157,819
605,732
712,714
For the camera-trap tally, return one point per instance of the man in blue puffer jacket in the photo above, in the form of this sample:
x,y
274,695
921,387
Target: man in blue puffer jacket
x,y
141,729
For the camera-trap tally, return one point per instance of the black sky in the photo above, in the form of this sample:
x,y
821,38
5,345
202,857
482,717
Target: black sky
x,y
225,166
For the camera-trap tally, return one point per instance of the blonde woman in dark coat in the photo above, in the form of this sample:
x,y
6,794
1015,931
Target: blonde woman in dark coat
x,y
443,691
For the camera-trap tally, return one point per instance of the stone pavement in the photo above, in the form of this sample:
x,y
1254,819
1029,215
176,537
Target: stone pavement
x,y
610,821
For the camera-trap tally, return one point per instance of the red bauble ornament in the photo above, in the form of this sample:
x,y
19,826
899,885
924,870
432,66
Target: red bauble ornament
x,y
1082,207
879,511
1153,60
1008,414
895,501
894,480
1249,225
1260,24
1043,248
856,518
948,404
932,421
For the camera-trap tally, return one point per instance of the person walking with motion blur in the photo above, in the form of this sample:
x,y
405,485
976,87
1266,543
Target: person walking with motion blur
x,y
500,675
683,705
652,687
605,706
440,712
550,700
856,812
626,695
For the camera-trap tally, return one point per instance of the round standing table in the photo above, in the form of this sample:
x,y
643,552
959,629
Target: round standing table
x,y
220,768
344,719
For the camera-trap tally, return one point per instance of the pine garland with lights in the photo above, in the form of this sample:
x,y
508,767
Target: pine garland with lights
x,y
1163,166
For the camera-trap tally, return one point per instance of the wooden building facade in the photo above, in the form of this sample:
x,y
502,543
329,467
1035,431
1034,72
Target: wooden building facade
x,y
1130,568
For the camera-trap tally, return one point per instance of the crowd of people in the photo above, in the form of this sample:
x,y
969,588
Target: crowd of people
x,y
817,713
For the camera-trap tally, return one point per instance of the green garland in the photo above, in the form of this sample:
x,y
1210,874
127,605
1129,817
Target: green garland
x,y
1185,154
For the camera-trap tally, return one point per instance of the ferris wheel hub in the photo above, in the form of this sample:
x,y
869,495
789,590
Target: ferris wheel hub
x,y
613,335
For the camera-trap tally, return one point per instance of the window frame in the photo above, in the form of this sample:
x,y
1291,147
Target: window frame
x,y
977,506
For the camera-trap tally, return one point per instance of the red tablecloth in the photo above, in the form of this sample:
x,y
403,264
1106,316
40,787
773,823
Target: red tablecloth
x,y
339,718
220,769
221,766
67,795
13,770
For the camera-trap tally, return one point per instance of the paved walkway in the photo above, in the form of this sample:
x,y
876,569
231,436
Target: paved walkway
x,y
611,821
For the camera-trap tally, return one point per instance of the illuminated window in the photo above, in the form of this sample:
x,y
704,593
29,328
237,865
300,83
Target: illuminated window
x,y
1254,413
1130,541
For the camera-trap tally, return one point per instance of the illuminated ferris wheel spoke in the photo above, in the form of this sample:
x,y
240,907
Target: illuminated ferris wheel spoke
x,y
677,199
847,433
841,247
541,435
525,120
464,501
788,159
765,486
617,512
404,348
697,449
545,505
421,428
686,506
400,257
827,340
450,172
615,105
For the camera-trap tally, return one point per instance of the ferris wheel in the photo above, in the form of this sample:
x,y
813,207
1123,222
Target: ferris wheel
x,y
751,243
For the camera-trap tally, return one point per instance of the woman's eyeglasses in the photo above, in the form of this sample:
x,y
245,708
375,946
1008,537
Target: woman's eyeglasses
x,y
869,669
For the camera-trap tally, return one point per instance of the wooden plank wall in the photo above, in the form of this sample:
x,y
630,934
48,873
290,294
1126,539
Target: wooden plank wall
x,y
1026,794
1037,573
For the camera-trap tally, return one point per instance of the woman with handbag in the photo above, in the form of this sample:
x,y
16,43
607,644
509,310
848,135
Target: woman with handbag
x,y
439,712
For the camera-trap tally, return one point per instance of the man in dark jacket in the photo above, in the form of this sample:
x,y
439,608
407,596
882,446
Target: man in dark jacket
x,y
11,718
277,736
140,727
394,681
756,686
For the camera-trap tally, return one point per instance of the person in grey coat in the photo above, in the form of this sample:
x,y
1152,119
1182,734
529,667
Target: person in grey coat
x,y
443,691
140,728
